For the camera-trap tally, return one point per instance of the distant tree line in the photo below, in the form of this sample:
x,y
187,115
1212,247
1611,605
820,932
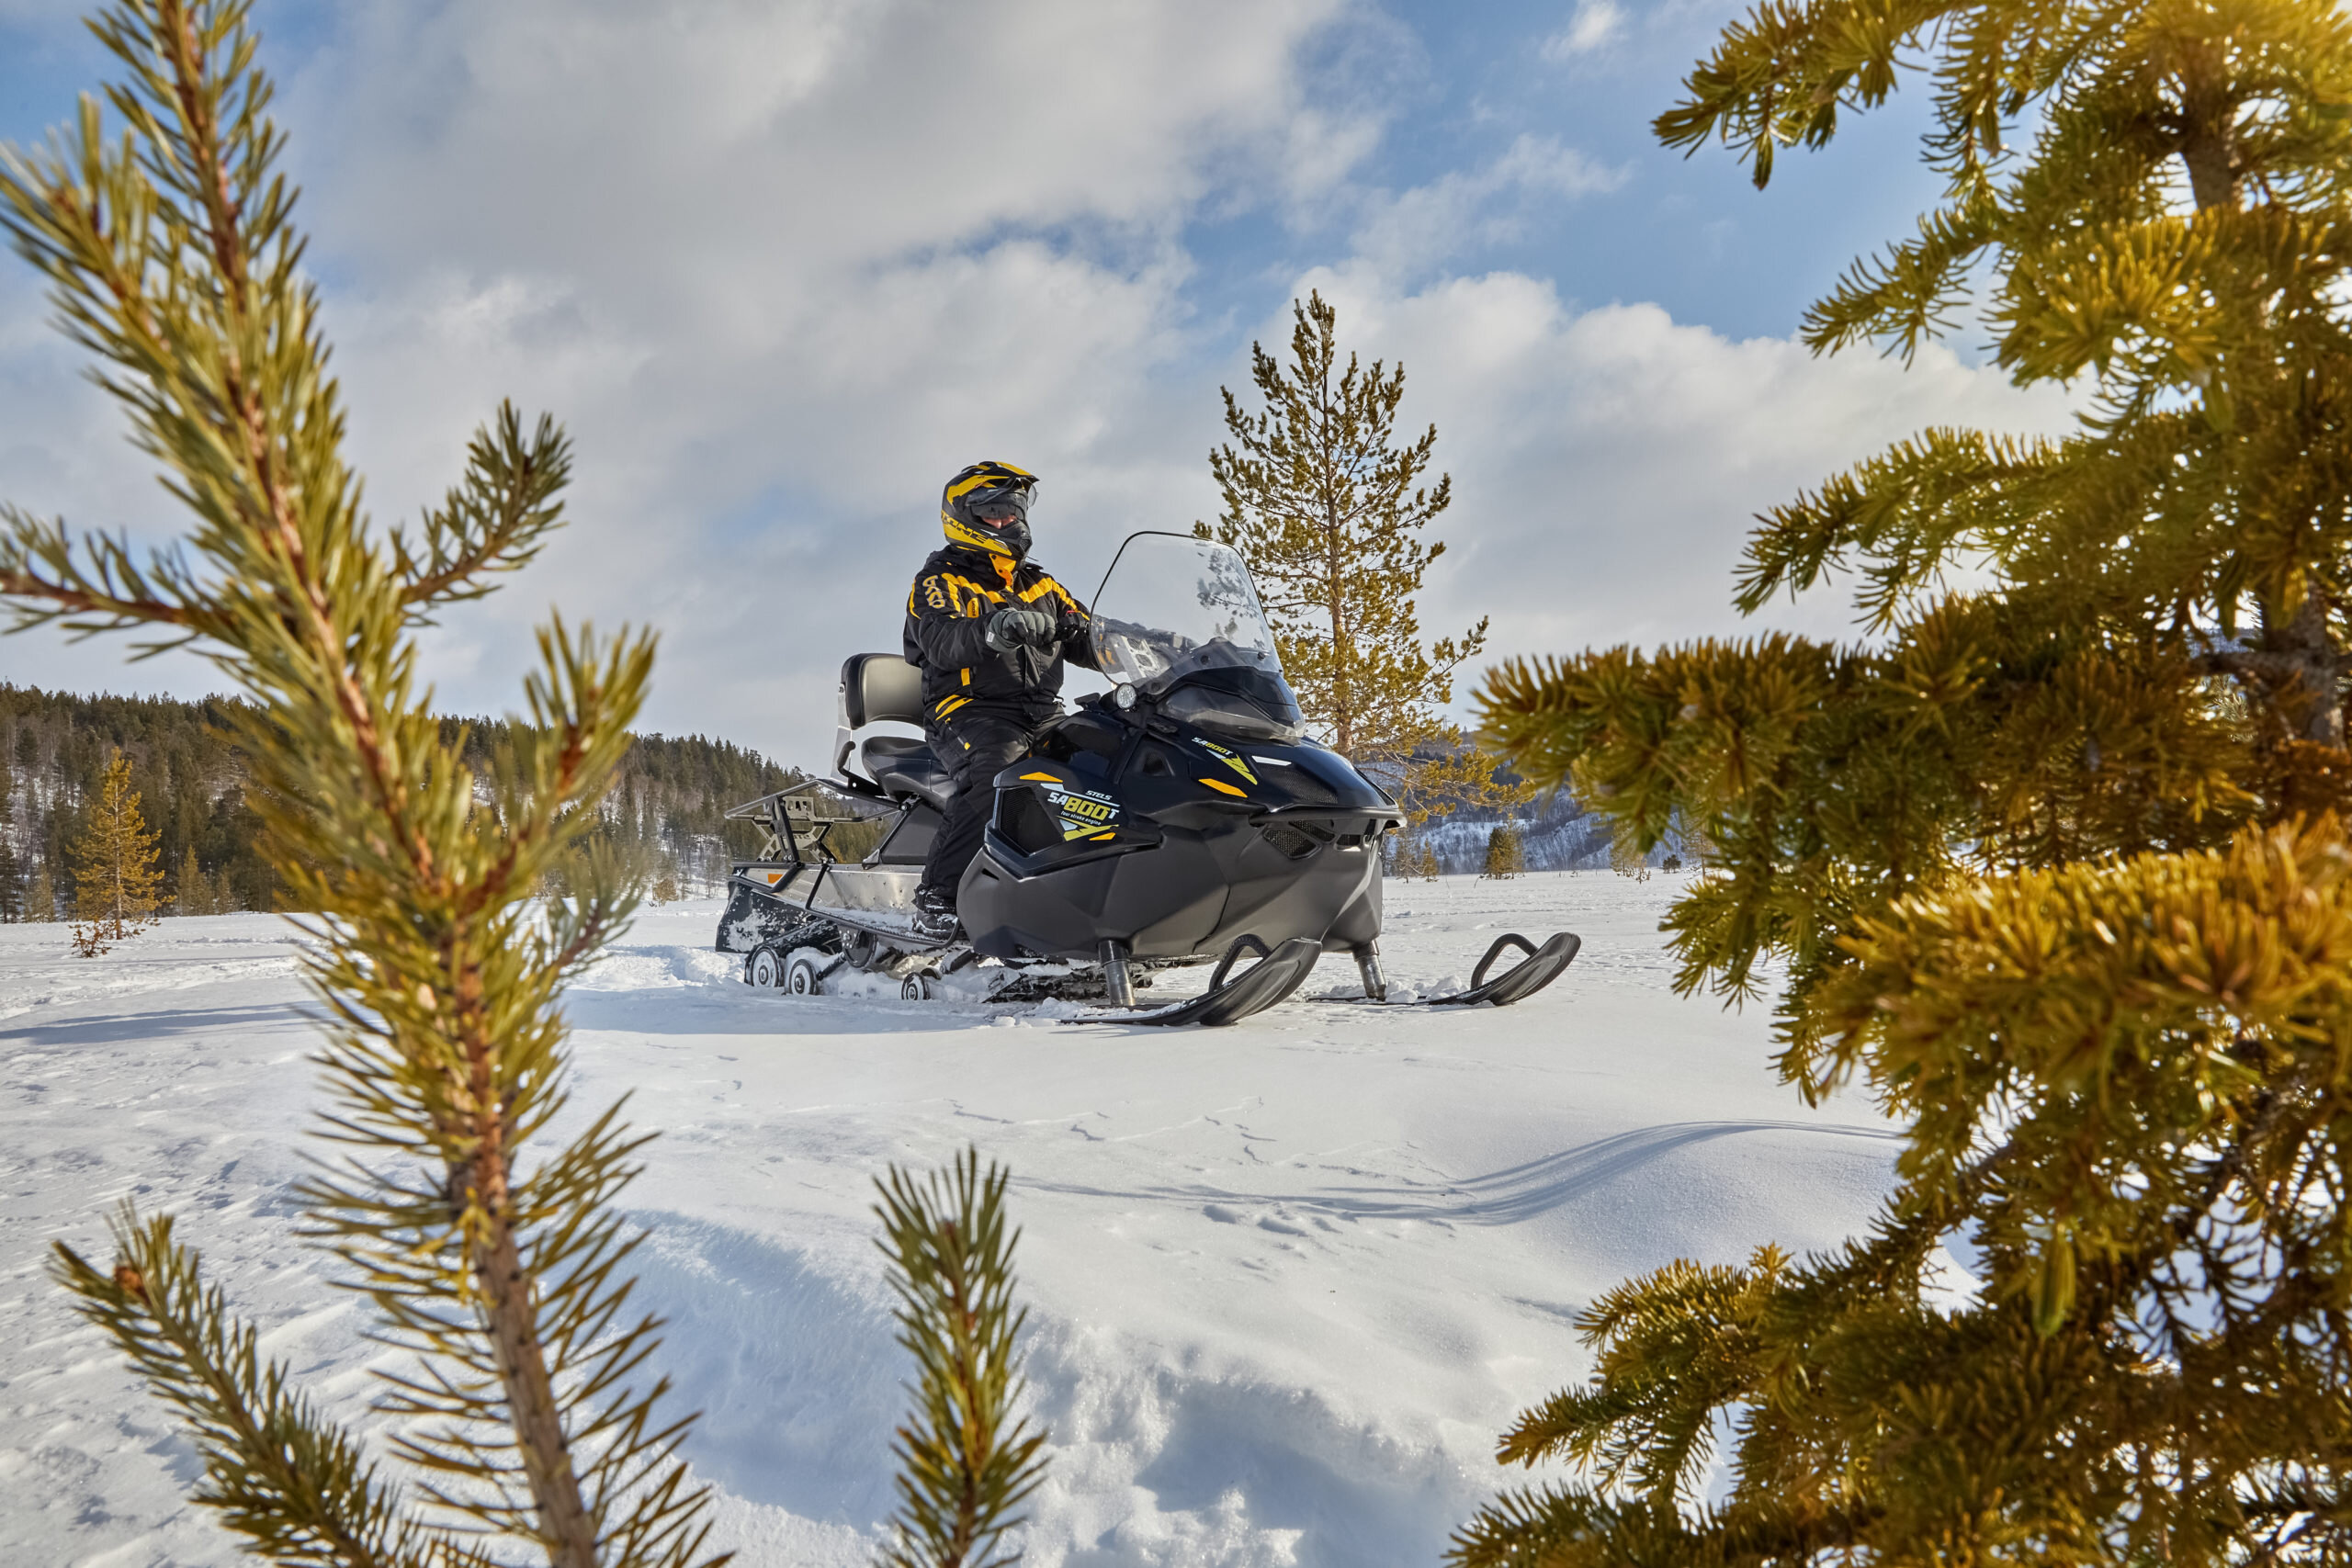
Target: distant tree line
x,y
192,784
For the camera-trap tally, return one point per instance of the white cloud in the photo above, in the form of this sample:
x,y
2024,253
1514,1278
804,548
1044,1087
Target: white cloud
x,y
783,266
1608,463
1408,233
1595,24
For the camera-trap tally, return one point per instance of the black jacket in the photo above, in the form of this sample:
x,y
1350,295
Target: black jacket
x,y
947,617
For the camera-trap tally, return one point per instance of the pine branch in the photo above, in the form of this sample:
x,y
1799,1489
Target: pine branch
x,y
965,1462
173,257
494,520
298,1489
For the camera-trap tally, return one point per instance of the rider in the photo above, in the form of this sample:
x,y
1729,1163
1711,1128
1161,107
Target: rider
x,y
990,630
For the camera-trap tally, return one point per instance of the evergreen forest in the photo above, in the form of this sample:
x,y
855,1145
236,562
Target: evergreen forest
x,y
194,786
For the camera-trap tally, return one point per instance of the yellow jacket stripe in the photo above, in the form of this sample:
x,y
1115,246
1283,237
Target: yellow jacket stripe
x,y
966,597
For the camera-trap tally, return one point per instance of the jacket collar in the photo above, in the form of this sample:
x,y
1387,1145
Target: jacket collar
x,y
983,565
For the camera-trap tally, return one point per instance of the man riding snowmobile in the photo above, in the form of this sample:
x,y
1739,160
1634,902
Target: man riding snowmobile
x,y
990,629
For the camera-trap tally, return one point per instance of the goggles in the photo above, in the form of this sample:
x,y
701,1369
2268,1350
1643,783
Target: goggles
x,y
1000,504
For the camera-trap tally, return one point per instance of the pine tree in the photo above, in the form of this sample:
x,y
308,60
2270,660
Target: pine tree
x,y
2055,865
193,890
1417,858
1506,857
171,255
12,879
496,1266
12,867
40,894
1330,512
115,874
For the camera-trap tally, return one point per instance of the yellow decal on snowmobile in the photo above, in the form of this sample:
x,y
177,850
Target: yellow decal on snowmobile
x,y
1084,814
1042,778
1223,788
1229,759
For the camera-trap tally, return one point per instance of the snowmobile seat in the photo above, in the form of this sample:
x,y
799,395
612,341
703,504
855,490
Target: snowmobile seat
x,y
904,767
882,688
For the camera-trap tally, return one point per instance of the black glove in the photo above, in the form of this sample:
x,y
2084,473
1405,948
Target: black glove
x,y
1009,630
1072,627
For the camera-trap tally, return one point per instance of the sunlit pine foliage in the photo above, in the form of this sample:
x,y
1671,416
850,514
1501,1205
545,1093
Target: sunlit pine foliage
x,y
966,1461
2052,863
1330,509
526,1418
116,879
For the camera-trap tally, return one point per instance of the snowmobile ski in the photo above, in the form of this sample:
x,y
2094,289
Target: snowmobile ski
x,y
1541,966
1278,973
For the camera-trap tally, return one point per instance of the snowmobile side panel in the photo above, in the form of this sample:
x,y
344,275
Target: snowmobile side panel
x,y
1358,923
867,889
908,842
1053,915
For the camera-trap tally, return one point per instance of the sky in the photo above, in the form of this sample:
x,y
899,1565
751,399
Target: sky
x,y
781,266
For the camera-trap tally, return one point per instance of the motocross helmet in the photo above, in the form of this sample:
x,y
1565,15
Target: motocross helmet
x,y
987,508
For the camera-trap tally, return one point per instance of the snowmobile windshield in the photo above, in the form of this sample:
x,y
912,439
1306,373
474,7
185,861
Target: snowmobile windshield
x,y
1173,608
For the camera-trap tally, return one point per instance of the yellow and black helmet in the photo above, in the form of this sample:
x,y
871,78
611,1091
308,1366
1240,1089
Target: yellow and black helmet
x,y
987,507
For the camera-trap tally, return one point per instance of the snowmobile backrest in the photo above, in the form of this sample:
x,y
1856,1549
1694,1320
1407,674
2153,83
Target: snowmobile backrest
x,y
879,686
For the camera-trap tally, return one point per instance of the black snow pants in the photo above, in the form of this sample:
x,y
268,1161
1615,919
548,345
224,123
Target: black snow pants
x,y
974,749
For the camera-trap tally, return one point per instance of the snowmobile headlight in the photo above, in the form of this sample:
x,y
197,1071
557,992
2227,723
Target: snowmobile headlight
x,y
1122,697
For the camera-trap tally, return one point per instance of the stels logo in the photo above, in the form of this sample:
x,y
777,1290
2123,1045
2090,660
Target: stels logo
x,y
1082,815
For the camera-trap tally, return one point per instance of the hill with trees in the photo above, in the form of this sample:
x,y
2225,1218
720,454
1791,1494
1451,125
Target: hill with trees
x,y
194,783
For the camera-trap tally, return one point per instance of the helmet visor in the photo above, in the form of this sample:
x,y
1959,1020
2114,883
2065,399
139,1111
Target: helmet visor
x,y
1000,504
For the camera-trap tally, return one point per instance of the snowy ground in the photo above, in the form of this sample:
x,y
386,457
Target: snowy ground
x,y
1287,1279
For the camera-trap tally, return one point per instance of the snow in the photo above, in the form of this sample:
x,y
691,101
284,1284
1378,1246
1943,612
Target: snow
x,y
1286,1281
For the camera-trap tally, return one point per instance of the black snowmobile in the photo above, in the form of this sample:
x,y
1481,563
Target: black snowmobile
x,y
1182,817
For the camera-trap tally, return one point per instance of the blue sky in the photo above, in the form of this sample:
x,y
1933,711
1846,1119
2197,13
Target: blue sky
x,y
782,266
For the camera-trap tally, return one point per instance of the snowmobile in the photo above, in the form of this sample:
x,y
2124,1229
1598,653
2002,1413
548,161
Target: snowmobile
x,y
1185,817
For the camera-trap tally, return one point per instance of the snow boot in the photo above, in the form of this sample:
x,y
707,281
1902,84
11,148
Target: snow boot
x,y
935,915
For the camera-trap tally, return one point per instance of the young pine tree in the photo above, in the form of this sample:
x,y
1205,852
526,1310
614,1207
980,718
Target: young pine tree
x,y
1330,512
169,251
116,879
192,890
522,1426
1416,858
2056,865
40,894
